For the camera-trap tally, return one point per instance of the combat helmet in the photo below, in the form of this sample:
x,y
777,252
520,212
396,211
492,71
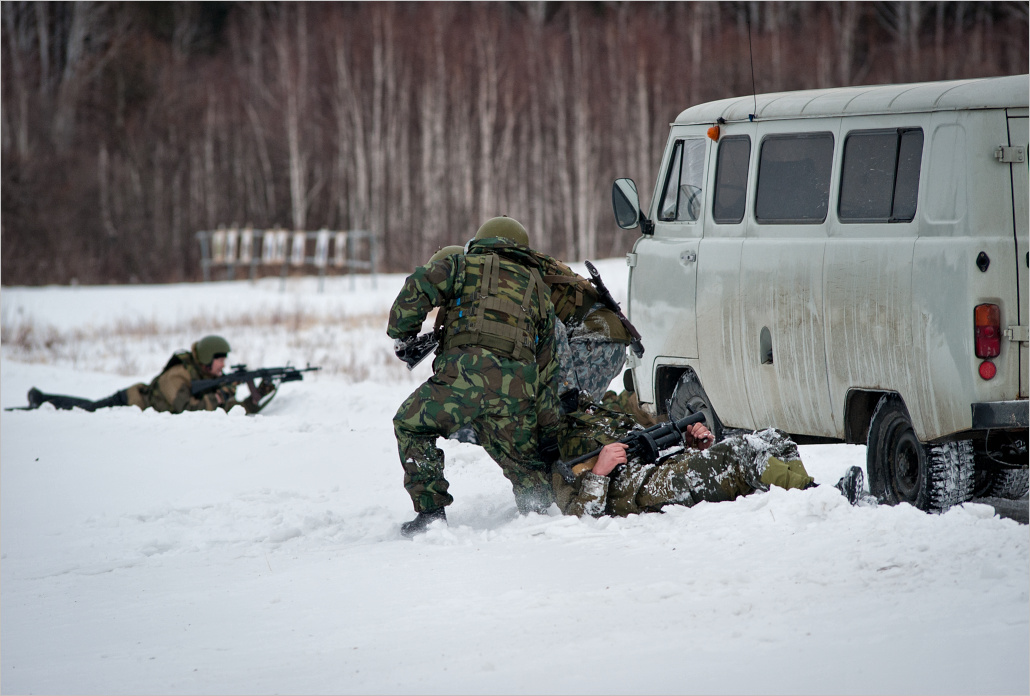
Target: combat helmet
x,y
209,348
506,227
445,252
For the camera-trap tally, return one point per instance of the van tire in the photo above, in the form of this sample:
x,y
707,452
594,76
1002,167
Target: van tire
x,y
690,397
903,470
1010,483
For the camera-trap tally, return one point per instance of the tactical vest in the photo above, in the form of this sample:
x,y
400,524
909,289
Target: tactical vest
x,y
571,294
510,326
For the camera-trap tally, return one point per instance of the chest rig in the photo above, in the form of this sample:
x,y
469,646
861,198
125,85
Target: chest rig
x,y
483,316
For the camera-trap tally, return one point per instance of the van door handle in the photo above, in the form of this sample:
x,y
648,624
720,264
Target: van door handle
x,y
688,257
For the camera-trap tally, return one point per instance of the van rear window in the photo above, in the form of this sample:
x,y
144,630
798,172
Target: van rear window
x,y
794,178
731,179
880,176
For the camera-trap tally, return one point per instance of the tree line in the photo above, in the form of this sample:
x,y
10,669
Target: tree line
x,y
128,127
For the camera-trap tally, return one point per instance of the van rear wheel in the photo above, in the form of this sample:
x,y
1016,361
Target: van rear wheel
x,y
690,397
903,470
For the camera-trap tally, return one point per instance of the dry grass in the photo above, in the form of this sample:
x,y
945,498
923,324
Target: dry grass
x,y
339,344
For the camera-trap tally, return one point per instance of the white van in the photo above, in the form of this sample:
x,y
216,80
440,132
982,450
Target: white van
x,y
847,265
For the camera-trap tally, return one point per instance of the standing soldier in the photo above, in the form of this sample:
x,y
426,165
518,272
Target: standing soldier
x,y
495,368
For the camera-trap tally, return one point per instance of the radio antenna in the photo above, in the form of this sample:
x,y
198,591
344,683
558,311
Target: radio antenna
x,y
751,55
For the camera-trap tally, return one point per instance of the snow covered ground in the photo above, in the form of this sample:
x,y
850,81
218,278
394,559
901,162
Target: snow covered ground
x,y
148,553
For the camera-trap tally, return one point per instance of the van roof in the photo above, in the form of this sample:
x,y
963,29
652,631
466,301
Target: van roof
x,y
951,95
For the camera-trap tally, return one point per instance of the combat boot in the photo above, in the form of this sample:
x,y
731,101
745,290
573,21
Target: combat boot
x,y
422,521
851,484
36,398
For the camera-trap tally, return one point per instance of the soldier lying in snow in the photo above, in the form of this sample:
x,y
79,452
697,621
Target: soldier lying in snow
x,y
171,390
612,484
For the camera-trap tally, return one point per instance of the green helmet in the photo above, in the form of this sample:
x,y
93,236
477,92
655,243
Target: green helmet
x,y
446,251
506,227
209,348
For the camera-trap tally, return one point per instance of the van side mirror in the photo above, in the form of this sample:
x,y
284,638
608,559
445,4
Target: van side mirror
x,y
626,204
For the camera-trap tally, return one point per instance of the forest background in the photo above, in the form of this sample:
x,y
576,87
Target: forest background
x,y
128,127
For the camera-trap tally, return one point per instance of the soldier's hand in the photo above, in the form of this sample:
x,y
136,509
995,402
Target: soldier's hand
x,y
401,346
698,436
610,457
266,387
224,393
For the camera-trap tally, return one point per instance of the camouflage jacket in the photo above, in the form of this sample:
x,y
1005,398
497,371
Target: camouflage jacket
x,y
495,284
170,390
583,431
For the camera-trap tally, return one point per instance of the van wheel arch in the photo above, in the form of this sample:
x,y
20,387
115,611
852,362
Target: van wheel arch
x,y
858,413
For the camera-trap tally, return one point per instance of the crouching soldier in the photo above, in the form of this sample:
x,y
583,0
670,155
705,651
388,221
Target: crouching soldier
x,y
613,484
171,390
495,369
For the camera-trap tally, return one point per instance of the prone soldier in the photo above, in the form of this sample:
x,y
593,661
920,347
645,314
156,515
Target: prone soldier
x,y
171,390
613,483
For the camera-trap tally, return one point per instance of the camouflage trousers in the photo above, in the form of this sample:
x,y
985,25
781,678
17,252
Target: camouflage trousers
x,y
494,396
736,466
587,361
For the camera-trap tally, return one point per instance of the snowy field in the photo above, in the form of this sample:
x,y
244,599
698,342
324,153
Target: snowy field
x,y
149,553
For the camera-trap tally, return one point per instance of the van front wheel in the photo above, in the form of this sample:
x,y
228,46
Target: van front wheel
x,y
903,470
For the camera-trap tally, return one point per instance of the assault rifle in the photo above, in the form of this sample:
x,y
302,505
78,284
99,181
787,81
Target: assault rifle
x,y
241,374
647,444
610,303
414,350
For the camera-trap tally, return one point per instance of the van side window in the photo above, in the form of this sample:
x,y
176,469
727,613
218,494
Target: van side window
x,y
880,176
794,178
681,196
731,179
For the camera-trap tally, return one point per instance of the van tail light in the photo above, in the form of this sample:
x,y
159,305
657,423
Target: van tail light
x,y
987,330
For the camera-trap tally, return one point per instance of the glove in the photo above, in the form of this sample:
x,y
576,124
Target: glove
x,y
401,345
266,387
548,450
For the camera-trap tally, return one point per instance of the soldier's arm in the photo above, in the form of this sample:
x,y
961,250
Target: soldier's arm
x,y
428,286
587,496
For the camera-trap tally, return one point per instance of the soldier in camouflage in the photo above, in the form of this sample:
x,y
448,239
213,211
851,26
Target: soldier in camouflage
x,y
170,390
590,340
495,368
612,484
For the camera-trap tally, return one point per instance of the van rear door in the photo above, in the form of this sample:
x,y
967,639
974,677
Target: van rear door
x,y
1020,183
